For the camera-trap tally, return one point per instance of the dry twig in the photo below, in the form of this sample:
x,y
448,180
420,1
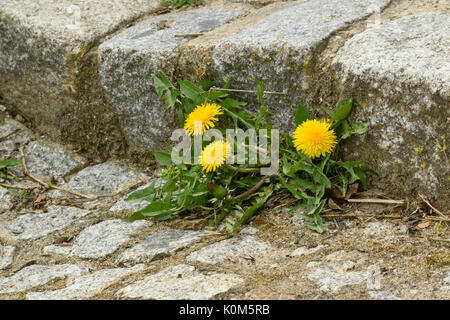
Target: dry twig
x,y
433,208
10,134
247,91
47,185
252,189
188,35
382,201
15,187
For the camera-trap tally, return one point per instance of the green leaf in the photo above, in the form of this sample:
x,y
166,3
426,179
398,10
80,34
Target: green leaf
x,y
187,105
180,115
170,98
159,85
142,194
318,226
362,177
191,91
206,83
214,95
301,115
6,176
263,113
156,208
162,158
343,109
219,192
231,103
349,167
227,81
9,163
135,216
359,127
256,205
344,184
169,186
329,112
346,130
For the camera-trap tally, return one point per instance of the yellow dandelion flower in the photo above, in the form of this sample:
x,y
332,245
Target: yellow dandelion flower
x,y
202,118
314,138
214,155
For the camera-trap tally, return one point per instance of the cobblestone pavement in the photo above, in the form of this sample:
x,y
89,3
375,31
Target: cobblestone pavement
x,y
55,245
95,95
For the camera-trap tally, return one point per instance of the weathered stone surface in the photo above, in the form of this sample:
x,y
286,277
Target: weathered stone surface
x,y
298,221
249,231
13,141
133,206
100,239
37,225
338,270
399,75
382,228
36,275
5,199
383,295
234,247
278,50
181,282
49,161
102,179
49,64
6,256
129,59
302,251
85,286
159,245
447,280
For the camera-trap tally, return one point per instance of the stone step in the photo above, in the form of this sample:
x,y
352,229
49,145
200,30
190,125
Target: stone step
x,y
128,60
93,84
399,73
49,67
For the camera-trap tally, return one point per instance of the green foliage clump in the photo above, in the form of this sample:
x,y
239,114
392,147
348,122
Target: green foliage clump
x,y
234,193
4,164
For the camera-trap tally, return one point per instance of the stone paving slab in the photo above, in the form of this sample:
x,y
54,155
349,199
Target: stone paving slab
x,y
100,239
379,228
49,66
399,74
7,254
128,60
234,247
14,141
338,270
181,282
383,295
33,226
49,161
159,245
37,275
85,286
5,199
100,180
123,205
303,251
278,50
447,281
